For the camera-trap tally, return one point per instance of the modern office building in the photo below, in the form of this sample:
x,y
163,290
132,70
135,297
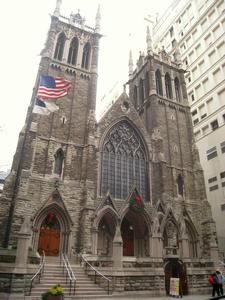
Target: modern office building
x,y
195,30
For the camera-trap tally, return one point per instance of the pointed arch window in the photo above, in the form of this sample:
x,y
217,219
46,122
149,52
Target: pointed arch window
x,y
73,50
177,89
59,48
135,97
168,85
158,80
141,91
180,185
86,56
124,163
59,157
146,84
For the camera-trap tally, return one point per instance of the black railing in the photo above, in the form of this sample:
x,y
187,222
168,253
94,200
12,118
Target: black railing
x,y
68,272
38,274
96,273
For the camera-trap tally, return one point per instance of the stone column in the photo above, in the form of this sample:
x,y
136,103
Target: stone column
x,y
117,249
23,244
156,246
185,247
20,270
94,232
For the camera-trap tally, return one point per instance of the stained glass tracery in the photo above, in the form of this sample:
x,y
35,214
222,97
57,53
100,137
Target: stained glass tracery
x,y
124,162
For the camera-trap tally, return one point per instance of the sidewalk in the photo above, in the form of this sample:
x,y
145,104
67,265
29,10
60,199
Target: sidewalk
x,y
138,296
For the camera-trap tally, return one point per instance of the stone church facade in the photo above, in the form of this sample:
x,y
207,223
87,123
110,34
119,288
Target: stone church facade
x,y
128,191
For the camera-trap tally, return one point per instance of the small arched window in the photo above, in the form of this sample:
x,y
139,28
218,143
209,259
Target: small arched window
x,y
73,50
168,85
135,97
86,56
146,84
59,157
158,80
59,48
141,91
177,89
180,185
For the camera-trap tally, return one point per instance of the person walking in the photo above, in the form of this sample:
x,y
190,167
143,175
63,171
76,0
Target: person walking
x,y
214,281
220,281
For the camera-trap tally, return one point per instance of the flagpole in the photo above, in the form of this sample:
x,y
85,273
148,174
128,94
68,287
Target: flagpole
x,y
19,166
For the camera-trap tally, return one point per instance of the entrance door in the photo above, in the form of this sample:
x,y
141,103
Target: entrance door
x,y
49,238
176,269
128,238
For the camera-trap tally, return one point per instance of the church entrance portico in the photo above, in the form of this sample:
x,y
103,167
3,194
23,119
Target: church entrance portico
x,y
135,235
52,227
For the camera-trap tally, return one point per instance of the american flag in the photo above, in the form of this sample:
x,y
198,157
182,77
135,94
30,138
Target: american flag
x,y
53,87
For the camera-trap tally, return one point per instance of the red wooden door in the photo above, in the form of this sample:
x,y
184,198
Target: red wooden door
x,y
49,238
49,242
128,238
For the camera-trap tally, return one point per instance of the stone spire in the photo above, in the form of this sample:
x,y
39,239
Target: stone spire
x,y
57,8
177,55
98,20
149,41
131,65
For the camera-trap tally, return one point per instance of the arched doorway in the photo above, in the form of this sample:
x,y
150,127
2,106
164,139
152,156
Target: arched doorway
x,y
49,237
176,269
127,232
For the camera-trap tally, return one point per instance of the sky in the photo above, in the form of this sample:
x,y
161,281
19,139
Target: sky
x,y
24,25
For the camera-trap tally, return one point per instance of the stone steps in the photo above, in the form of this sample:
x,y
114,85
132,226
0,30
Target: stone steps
x,y
53,274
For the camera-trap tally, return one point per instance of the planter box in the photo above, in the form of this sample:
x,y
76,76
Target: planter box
x,y
51,297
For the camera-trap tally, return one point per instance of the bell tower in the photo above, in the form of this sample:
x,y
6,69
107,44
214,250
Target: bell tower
x,y
55,152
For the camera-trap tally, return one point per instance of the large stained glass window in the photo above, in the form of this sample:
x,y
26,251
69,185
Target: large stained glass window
x,y
124,163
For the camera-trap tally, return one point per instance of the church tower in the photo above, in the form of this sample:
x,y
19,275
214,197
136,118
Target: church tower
x,y
53,164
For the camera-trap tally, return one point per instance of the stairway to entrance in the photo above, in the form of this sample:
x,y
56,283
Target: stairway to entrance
x,y
53,275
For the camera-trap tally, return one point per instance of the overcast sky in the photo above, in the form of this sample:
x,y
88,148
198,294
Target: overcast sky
x,y
24,25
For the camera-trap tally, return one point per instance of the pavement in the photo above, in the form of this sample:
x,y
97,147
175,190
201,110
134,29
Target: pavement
x,y
139,296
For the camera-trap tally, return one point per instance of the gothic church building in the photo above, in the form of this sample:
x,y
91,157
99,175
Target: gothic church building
x,y
126,192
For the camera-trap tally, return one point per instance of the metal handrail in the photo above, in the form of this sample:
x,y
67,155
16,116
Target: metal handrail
x,y
39,272
69,273
97,273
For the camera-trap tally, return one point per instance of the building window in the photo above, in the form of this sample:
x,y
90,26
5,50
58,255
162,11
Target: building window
x,y
158,80
177,89
86,56
171,31
222,207
59,157
60,46
222,175
168,85
224,118
73,50
141,91
123,163
223,184
211,153
195,121
222,145
192,97
214,125
194,112
213,188
146,84
180,185
135,97
212,179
